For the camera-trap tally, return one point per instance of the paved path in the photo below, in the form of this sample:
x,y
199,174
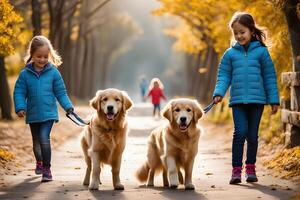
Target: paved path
x,y
211,171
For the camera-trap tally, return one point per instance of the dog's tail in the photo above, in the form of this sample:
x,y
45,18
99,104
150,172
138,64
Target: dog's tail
x,y
142,173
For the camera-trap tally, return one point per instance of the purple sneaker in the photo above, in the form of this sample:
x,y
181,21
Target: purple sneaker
x,y
250,173
47,176
38,168
236,175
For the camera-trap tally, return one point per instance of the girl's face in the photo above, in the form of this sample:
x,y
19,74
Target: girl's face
x,y
156,84
40,57
242,34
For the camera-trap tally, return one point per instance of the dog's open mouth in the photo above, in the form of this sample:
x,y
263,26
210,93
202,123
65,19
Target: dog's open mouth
x,y
110,116
183,126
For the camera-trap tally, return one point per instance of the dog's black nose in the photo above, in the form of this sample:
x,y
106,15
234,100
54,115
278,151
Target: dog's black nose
x,y
182,119
110,108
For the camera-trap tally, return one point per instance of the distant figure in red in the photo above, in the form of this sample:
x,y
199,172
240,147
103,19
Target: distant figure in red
x,y
156,92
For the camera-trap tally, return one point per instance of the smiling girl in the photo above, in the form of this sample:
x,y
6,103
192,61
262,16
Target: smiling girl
x,y
38,87
246,67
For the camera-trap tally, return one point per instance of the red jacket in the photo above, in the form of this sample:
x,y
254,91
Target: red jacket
x,y
156,93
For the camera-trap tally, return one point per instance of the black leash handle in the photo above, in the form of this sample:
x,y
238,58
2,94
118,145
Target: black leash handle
x,y
207,108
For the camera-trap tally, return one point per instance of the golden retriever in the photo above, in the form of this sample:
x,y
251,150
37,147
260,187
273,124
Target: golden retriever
x,y
103,140
173,146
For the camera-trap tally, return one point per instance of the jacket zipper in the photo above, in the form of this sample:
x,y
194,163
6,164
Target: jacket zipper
x,y
246,96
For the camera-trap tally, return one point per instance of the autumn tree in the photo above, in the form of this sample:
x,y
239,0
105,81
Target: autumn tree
x,y
9,30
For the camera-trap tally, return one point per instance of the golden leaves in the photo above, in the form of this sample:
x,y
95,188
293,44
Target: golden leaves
x,y
8,27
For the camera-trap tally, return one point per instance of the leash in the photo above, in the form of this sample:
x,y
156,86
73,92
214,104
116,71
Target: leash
x,y
207,108
76,119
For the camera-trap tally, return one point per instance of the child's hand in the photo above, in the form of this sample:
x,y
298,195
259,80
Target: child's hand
x,y
21,113
218,99
70,110
274,109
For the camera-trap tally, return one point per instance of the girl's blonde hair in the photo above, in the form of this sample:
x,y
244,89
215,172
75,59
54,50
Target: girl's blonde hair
x,y
156,80
40,41
247,20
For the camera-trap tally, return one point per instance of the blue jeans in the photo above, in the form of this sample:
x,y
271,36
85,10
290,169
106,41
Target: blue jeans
x,y
246,119
41,141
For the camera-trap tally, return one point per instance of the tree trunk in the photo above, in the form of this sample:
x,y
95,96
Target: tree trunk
x,y
198,60
293,22
36,17
213,74
290,11
56,20
5,98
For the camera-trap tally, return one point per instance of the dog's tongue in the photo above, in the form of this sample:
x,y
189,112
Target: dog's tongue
x,y
183,126
110,116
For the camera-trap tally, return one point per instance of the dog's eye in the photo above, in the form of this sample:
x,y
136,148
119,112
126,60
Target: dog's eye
x,y
177,110
189,110
105,99
116,99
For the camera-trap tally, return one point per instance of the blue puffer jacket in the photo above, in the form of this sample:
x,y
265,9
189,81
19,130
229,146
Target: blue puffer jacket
x,y
37,94
250,74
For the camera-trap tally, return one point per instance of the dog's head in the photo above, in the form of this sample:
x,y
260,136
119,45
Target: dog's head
x,y
183,112
111,102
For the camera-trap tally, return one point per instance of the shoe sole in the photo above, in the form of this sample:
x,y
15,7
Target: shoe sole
x,y
236,181
48,180
251,180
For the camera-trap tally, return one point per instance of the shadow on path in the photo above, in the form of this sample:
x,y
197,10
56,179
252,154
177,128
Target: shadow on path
x,y
18,190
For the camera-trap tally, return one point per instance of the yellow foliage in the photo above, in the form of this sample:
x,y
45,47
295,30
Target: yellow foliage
x,y
6,156
286,163
221,113
9,29
187,42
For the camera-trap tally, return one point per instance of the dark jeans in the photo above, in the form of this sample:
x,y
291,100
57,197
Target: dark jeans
x,y
246,119
156,107
41,141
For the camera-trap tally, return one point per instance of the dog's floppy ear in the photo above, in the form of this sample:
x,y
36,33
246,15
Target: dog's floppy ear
x,y
167,111
198,112
95,102
127,102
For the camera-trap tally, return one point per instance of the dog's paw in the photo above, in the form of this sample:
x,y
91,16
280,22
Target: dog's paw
x,y
189,186
119,186
85,182
150,185
173,186
93,186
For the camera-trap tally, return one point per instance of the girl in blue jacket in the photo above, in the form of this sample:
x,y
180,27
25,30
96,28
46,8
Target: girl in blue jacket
x,y
38,87
246,67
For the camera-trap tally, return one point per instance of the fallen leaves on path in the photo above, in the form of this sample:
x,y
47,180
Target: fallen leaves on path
x,y
286,163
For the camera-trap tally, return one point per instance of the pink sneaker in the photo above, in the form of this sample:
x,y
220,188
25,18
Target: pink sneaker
x,y
38,168
250,173
236,175
47,176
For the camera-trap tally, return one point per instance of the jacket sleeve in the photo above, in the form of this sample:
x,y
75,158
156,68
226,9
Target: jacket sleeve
x,y
163,95
224,76
20,93
269,78
149,93
60,92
